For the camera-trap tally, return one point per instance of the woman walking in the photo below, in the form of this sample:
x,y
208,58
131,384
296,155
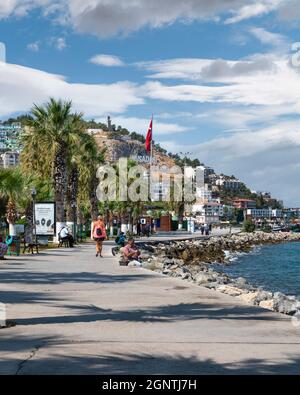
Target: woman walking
x,y
99,234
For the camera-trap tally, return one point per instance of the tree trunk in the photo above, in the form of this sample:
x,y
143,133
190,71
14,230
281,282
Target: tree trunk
x,y
11,216
72,193
180,215
94,199
60,184
29,227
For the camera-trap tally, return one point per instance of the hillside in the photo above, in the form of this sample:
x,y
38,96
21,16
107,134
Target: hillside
x,y
120,146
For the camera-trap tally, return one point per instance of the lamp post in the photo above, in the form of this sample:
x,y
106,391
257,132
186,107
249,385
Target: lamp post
x,y
33,195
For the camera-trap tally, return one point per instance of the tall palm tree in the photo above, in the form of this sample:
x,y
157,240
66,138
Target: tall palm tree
x,y
11,187
52,131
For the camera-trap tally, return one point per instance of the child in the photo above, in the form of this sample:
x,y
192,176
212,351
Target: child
x,y
120,241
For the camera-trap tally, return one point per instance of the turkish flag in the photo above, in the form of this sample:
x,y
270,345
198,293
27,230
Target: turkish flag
x,y
149,137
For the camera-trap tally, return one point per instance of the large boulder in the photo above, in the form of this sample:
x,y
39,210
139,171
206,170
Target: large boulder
x,y
203,278
229,290
267,304
285,304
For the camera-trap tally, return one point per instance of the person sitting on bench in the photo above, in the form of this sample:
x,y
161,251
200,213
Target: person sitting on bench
x,y
64,235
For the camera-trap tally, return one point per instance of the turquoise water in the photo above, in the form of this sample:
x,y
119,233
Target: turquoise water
x,y
273,267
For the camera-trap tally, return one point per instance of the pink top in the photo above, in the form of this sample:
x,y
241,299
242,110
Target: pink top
x,y
99,225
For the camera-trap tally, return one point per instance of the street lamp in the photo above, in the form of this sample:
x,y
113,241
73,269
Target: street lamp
x,y
33,195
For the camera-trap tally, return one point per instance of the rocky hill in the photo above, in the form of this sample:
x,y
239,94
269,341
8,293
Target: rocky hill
x,y
123,146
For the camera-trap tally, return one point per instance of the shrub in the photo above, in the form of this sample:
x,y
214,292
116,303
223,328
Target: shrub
x,y
248,226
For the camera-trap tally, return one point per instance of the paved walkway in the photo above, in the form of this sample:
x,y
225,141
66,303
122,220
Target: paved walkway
x,y
78,314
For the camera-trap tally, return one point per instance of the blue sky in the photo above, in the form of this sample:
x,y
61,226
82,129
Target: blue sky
x,y
219,79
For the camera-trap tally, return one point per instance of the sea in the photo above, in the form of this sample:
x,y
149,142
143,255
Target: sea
x,y
273,267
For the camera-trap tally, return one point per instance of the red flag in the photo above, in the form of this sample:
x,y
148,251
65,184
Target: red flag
x,y
149,137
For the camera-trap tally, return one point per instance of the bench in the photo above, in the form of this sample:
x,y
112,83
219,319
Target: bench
x,y
63,243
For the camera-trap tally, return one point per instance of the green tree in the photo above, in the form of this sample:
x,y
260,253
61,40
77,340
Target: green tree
x,y
53,130
239,216
248,226
11,187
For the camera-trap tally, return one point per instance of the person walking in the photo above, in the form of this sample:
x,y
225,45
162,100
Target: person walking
x,y
99,235
206,229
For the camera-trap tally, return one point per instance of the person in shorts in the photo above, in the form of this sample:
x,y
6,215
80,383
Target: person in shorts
x,y
99,235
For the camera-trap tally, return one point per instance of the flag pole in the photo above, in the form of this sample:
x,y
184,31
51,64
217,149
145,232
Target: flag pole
x,y
151,157
151,146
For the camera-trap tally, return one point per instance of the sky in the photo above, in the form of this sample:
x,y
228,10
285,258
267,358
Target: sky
x,y
221,78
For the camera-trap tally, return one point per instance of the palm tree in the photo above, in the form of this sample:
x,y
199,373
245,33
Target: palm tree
x,y
11,187
89,158
52,131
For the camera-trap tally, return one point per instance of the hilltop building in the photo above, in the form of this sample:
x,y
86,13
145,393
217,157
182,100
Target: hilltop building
x,y
228,183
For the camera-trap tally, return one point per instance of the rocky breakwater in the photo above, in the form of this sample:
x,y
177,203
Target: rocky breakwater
x,y
190,260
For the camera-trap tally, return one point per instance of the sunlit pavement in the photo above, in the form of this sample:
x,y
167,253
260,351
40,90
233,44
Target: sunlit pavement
x,y
78,314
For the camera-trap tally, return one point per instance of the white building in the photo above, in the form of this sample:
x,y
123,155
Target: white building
x,y
227,183
204,194
9,159
264,213
208,213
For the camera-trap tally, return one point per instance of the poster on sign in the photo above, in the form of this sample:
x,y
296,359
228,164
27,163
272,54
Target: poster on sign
x,y
45,218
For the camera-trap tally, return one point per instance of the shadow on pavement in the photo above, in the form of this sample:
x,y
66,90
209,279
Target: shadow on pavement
x,y
165,314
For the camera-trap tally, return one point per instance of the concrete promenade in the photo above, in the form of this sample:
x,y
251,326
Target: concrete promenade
x,y
78,314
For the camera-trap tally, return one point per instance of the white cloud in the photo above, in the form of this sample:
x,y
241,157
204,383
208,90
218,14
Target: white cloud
x,y
107,60
289,10
92,99
34,47
141,125
265,159
20,7
254,9
266,37
60,43
107,18
266,80
208,70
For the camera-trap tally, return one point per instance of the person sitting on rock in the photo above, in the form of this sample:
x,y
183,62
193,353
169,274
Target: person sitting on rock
x,y
130,251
